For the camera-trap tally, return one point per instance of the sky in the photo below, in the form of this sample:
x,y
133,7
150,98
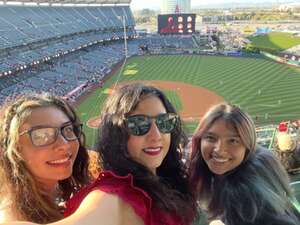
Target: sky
x,y
155,4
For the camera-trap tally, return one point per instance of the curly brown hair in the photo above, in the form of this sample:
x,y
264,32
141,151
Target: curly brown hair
x,y
19,191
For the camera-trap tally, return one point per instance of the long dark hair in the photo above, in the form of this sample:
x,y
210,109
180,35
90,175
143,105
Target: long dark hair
x,y
260,194
169,188
257,188
19,190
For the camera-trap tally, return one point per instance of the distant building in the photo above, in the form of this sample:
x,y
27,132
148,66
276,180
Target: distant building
x,y
289,6
175,6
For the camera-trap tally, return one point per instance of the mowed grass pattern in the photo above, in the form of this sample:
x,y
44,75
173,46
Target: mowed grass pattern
x,y
275,40
174,99
266,90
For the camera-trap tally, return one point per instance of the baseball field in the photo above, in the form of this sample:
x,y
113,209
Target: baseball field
x,y
275,40
268,91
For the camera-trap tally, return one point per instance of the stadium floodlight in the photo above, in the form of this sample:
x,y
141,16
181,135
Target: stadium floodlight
x,y
9,72
5,73
123,21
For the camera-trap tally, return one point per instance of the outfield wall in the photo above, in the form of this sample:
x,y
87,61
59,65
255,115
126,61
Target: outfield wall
x,y
281,60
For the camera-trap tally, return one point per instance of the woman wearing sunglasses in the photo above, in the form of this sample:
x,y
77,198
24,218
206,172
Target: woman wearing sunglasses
x,y
235,180
144,180
43,159
139,144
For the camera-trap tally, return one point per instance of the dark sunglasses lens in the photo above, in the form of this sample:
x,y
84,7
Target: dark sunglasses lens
x,y
138,125
166,123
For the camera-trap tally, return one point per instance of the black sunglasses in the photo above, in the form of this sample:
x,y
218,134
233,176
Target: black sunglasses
x,y
139,125
44,135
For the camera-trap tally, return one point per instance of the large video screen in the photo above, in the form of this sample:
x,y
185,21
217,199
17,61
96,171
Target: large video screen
x,y
176,23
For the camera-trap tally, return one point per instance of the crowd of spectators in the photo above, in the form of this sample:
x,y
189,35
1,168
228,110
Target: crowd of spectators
x,y
82,68
72,49
159,44
22,25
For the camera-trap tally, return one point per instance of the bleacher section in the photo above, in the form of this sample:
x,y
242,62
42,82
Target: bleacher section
x,y
57,49
14,59
21,25
178,42
265,135
23,39
86,66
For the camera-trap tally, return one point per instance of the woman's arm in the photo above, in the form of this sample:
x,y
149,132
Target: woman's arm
x,y
98,208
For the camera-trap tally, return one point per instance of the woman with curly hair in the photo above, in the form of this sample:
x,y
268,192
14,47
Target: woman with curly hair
x,y
235,180
43,160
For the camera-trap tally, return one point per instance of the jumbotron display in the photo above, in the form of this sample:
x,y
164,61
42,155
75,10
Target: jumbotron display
x,y
176,23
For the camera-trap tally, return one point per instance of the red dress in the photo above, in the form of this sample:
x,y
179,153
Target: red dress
x,y
123,186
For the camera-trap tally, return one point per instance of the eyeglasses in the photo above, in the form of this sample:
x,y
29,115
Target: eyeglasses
x,y
139,125
44,135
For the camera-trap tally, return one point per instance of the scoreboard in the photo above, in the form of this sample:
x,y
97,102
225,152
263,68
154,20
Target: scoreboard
x,y
176,23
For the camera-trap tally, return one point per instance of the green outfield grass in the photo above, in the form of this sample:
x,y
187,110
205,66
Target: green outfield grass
x,y
267,90
174,99
190,127
275,40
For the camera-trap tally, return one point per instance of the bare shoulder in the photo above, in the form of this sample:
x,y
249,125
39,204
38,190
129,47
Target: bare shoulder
x,y
107,208
129,217
99,205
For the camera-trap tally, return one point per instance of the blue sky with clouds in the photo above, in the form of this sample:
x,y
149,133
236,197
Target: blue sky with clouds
x,y
155,4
